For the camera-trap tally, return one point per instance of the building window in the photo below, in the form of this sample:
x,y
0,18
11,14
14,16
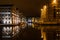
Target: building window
x,y
5,14
6,18
29,20
9,11
8,14
6,22
2,18
9,22
9,18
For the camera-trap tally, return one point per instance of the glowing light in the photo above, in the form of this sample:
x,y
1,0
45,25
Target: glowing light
x,y
33,19
54,1
4,28
43,12
44,7
4,21
8,28
41,9
33,25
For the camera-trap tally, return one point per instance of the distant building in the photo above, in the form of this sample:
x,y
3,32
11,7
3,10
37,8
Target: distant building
x,y
52,14
9,16
5,14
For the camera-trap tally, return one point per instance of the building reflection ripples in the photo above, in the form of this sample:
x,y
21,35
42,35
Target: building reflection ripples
x,y
22,33
28,34
33,33
9,32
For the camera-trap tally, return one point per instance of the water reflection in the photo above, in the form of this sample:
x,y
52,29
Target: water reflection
x,y
9,31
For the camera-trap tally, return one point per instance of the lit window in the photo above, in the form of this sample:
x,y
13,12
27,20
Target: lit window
x,y
8,21
36,20
29,20
4,21
57,13
33,19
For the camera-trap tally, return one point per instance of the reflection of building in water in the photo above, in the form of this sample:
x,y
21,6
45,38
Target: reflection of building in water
x,y
8,16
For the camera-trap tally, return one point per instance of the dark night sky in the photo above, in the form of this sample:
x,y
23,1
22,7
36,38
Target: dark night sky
x,y
27,7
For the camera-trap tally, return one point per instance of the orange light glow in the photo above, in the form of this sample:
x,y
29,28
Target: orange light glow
x,y
54,2
45,7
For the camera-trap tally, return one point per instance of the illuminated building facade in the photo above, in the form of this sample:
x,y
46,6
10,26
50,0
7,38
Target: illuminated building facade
x,y
51,31
32,21
53,10
5,15
9,16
